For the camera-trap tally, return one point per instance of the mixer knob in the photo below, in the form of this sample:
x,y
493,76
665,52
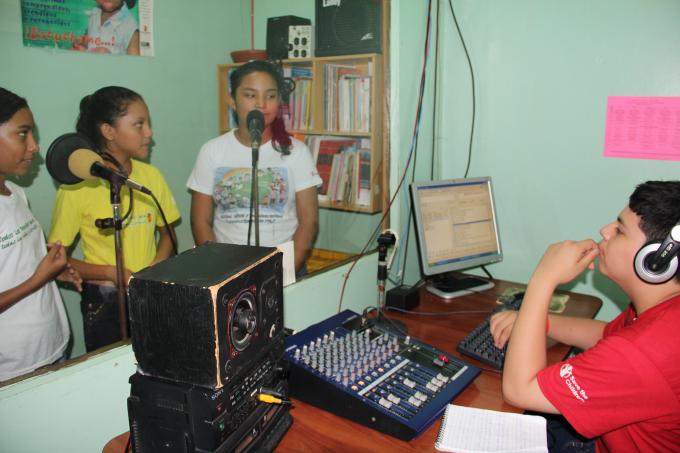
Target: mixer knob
x,y
414,401
383,402
432,387
409,383
421,396
442,378
395,399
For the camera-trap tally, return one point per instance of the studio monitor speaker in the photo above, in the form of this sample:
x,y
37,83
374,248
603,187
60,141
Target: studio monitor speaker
x,y
205,316
347,26
277,35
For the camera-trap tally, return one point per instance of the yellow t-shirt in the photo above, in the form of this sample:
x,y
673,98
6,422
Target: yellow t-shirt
x,y
78,206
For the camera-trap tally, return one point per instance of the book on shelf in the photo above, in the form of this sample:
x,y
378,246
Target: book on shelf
x,y
354,103
338,162
363,178
297,112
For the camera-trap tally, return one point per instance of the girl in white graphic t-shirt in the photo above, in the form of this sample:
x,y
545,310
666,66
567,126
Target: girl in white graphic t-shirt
x,y
33,326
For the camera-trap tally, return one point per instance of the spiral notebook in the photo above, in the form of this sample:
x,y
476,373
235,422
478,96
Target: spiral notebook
x,y
471,430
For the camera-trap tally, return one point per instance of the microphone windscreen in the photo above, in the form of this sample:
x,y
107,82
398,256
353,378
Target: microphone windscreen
x,y
255,120
57,157
81,161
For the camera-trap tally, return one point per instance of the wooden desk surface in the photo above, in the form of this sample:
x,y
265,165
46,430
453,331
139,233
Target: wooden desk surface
x,y
316,430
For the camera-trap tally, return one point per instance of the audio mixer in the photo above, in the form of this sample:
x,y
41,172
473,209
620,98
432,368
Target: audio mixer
x,y
392,383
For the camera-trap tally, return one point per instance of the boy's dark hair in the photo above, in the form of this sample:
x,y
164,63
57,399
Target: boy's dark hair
x,y
658,205
10,104
280,140
105,105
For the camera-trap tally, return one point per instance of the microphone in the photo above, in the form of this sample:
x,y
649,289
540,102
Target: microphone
x,y
255,122
70,160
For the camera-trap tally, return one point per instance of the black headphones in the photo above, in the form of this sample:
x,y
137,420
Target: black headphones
x,y
657,262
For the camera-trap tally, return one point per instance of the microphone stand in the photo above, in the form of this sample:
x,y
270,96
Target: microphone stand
x,y
254,195
381,321
117,224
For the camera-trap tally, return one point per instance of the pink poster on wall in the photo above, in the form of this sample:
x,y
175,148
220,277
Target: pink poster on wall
x,y
643,127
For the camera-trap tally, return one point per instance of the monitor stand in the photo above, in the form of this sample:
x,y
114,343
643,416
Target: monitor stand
x,y
449,287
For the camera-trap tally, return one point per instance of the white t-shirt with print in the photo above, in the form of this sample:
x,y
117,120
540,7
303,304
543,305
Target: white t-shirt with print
x,y
34,331
223,170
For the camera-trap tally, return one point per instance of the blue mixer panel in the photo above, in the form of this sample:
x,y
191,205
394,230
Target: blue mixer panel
x,y
394,384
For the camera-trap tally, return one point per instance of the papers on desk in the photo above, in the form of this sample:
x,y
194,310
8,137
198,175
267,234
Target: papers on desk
x,y
471,430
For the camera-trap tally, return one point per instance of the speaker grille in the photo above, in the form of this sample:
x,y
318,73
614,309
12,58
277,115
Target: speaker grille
x,y
353,26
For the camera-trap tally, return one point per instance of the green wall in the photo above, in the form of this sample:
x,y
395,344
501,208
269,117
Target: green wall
x,y
543,71
178,84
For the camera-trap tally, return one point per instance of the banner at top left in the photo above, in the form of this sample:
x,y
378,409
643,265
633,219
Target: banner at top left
x,y
96,26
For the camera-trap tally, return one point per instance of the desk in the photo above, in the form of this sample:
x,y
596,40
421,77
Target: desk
x,y
316,430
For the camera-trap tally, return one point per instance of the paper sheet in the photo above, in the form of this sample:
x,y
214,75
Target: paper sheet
x,y
288,262
643,127
468,429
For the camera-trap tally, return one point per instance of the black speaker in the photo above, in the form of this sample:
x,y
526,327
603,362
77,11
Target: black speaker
x,y
205,316
277,35
347,26
169,417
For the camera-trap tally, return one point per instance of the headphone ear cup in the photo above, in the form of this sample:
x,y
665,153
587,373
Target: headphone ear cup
x,y
647,275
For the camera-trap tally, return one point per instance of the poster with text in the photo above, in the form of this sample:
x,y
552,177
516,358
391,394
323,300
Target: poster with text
x,y
97,26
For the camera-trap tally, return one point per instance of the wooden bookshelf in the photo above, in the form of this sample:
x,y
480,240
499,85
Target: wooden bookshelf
x,y
364,66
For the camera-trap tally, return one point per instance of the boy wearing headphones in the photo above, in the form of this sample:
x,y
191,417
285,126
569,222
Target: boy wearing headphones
x,y
624,389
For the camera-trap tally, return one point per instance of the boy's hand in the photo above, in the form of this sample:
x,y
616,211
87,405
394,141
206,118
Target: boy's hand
x,y
70,275
52,264
501,326
564,261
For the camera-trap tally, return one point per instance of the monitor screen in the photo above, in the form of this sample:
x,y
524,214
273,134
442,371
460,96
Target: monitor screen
x,y
456,224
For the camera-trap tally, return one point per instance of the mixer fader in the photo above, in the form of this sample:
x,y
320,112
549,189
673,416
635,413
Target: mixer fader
x,y
394,384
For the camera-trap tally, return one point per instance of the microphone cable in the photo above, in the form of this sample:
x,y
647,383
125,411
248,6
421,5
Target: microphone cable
x,y
173,240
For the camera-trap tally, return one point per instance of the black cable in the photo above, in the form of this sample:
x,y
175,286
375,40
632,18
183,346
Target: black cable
x,y
416,127
434,95
109,157
171,232
440,313
250,215
472,80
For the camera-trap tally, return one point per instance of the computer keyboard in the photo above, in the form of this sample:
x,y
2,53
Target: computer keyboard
x,y
479,344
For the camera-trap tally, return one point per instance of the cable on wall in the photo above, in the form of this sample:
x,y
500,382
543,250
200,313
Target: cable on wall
x,y
407,199
416,128
472,81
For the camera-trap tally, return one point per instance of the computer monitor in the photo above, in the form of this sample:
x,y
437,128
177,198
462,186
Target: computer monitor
x,y
456,228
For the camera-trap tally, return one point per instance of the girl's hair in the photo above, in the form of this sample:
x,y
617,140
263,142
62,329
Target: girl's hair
x,y
105,105
10,104
280,137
